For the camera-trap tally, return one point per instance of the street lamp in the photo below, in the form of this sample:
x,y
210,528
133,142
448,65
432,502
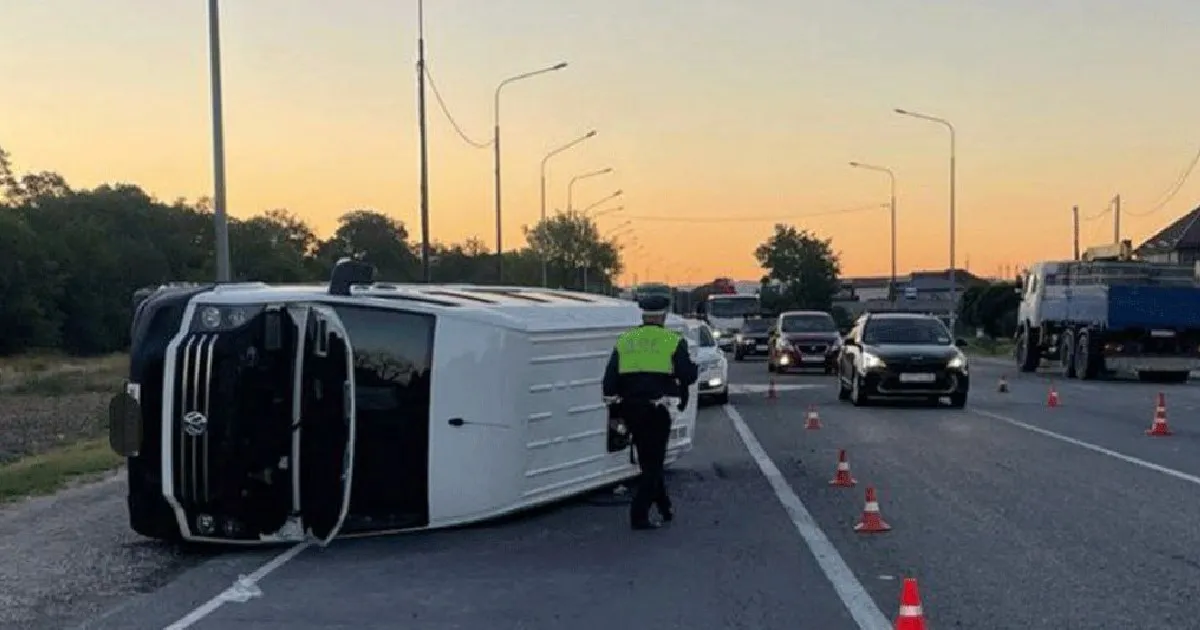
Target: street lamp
x,y
616,230
496,158
953,285
601,202
590,134
571,184
605,211
220,220
892,179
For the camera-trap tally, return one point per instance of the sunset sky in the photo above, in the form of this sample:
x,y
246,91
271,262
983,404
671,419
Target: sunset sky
x,y
719,118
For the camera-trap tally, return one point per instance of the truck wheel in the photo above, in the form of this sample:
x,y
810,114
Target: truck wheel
x,y
1067,353
1027,352
1087,364
858,397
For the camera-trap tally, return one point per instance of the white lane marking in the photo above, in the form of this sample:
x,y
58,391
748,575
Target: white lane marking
x,y
854,596
242,590
754,388
1129,459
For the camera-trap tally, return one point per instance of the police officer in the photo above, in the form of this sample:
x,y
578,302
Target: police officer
x,y
649,364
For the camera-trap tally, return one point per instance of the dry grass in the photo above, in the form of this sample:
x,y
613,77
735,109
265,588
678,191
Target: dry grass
x,y
50,375
990,347
53,420
54,469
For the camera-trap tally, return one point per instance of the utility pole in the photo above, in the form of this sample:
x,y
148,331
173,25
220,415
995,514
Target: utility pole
x,y
426,272
1117,219
220,218
1075,219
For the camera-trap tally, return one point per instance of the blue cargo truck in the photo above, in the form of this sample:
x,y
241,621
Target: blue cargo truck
x,y
1100,317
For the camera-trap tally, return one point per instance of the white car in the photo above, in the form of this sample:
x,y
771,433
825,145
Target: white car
x,y
713,382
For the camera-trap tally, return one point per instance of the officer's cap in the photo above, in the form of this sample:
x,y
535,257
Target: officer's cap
x,y
655,305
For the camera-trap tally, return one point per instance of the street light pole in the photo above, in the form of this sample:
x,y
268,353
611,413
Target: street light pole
x,y
496,159
603,212
590,134
953,183
892,179
571,184
220,219
603,201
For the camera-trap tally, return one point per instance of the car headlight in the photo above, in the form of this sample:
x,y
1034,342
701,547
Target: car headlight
x,y
215,317
957,363
738,338
711,364
716,334
871,362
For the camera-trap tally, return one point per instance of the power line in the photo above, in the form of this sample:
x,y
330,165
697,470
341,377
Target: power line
x,y
437,95
744,219
1173,189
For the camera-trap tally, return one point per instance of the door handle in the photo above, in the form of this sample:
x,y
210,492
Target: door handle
x,y
458,422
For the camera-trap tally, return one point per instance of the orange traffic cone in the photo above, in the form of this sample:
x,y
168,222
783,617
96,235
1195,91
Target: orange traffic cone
x,y
1003,386
911,615
812,421
1160,428
871,522
1052,397
842,478
771,389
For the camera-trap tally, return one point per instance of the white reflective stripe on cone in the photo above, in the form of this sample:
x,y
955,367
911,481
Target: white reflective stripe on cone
x,y
843,466
872,506
911,611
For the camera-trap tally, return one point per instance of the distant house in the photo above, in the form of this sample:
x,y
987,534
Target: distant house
x,y
930,291
1178,243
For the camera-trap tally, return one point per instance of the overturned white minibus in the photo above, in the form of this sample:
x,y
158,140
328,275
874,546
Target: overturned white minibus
x,y
257,413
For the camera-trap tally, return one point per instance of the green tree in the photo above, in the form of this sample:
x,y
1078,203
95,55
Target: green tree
x,y
992,308
574,251
371,236
71,259
469,262
805,266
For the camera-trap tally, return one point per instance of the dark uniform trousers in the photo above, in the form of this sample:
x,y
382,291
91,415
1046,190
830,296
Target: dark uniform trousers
x,y
651,428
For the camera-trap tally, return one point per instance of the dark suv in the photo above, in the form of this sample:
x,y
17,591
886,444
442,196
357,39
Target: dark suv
x,y
754,337
902,355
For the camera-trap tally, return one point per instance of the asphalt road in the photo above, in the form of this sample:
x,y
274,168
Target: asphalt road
x,y
1009,513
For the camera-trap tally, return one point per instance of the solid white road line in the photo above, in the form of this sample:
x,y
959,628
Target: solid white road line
x,y
242,590
1129,459
854,596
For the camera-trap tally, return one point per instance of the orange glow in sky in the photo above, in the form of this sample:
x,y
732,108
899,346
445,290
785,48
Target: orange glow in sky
x,y
721,117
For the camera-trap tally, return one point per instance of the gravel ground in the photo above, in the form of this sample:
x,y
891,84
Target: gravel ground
x,y
71,556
